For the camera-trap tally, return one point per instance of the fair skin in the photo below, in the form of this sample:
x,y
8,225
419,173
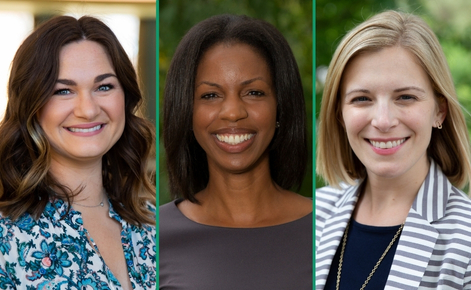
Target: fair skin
x,y
82,120
389,109
234,120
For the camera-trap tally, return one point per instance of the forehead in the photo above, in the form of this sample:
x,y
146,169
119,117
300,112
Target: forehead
x,y
83,54
384,70
239,58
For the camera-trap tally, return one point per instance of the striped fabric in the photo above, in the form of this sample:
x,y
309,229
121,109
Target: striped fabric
x,y
434,249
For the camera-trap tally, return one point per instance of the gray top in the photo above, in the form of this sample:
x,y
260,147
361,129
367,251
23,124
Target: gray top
x,y
196,256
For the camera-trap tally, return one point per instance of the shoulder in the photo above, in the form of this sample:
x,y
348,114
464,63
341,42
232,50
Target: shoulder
x,y
458,208
152,208
167,208
327,197
170,218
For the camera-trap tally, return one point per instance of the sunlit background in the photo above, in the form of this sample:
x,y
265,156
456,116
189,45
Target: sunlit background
x,y
133,22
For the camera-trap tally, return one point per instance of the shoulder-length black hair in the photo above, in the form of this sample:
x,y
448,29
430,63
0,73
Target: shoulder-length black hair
x,y
186,161
25,180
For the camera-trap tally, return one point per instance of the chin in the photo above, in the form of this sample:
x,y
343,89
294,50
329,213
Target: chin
x,y
387,172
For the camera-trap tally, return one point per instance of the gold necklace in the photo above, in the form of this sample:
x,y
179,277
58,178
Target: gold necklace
x,y
344,242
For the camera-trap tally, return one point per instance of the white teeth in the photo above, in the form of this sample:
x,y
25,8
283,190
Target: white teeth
x,y
85,130
387,145
234,139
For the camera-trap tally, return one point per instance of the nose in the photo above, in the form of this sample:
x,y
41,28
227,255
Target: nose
x,y
384,116
233,108
86,106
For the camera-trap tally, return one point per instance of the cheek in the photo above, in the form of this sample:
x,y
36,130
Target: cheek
x,y
203,116
52,114
353,121
120,112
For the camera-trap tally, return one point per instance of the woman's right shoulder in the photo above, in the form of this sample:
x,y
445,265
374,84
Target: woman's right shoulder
x,y
169,213
330,193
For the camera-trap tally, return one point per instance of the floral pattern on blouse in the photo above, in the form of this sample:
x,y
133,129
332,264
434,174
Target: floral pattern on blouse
x,y
54,252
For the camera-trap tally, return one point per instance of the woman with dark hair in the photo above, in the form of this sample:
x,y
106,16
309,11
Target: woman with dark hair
x,y
77,205
234,133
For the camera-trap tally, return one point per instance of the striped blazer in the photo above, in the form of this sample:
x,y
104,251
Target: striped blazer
x,y
434,249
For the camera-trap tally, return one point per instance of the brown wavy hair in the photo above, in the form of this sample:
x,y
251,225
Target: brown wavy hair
x,y
25,180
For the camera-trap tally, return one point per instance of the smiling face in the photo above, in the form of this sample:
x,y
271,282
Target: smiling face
x,y
389,108
84,117
234,109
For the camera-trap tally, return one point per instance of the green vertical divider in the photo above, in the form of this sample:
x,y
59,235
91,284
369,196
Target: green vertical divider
x,y
157,137
314,143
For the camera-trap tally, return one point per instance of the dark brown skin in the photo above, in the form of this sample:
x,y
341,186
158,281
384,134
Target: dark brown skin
x,y
234,95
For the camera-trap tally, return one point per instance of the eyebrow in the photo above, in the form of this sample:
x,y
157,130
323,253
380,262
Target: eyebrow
x,y
97,79
409,88
396,90
358,91
242,83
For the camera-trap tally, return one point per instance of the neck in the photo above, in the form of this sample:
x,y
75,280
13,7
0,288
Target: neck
x,y
86,178
242,198
387,201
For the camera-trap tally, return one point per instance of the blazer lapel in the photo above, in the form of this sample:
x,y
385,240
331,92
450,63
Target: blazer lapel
x,y
333,232
419,237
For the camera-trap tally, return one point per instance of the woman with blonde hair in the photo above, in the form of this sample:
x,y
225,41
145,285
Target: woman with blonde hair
x,y
394,148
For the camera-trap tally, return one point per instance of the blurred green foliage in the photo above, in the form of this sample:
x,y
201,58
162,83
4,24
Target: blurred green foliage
x,y
292,17
449,19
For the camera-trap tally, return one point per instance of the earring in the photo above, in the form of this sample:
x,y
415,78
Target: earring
x,y
439,126
277,124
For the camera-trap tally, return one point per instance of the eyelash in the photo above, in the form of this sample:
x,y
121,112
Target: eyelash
x,y
60,92
67,91
250,93
400,98
256,93
209,96
360,99
109,87
409,97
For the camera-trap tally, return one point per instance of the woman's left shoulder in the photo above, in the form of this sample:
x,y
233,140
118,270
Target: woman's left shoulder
x,y
458,204
152,208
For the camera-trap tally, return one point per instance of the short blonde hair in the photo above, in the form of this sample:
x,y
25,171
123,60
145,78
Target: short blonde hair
x,y
449,147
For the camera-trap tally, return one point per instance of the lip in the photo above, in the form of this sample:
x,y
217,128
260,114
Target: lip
x,y
379,143
246,135
85,130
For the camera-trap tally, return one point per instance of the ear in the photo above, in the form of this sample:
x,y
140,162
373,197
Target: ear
x,y
442,109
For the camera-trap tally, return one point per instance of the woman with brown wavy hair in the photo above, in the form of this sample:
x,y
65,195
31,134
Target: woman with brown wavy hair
x,y
76,202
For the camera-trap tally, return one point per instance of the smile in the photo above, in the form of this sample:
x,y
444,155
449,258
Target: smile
x,y
234,139
85,130
388,144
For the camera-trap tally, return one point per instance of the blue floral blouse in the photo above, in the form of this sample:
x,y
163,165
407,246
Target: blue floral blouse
x,y
54,252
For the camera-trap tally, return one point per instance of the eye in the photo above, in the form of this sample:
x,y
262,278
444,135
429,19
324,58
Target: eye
x,y
105,88
256,93
209,96
62,92
407,97
360,99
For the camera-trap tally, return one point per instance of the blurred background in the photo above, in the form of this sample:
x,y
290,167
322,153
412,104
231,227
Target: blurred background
x,y
133,22
449,19
292,17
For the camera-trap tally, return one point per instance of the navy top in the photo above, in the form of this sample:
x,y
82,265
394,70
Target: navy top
x,y
365,245
194,256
